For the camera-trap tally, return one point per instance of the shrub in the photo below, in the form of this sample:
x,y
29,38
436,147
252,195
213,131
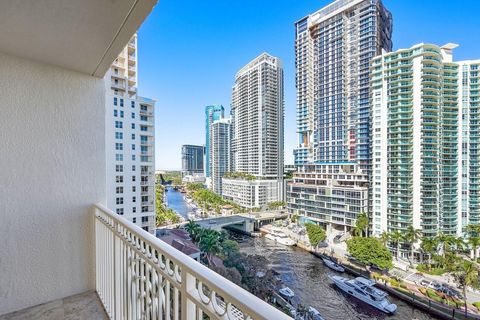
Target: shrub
x,y
394,283
477,305
403,285
433,271
423,290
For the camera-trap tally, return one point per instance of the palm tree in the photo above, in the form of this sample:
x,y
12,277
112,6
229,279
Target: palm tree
x,y
396,237
473,230
474,243
466,274
429,246
193,229
361,225
210,243
384,237
447,242
412,236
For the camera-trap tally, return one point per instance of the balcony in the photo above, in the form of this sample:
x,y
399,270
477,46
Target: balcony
x,y
140,277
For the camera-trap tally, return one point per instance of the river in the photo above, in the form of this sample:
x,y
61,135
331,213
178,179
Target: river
x,y
307,276
176,202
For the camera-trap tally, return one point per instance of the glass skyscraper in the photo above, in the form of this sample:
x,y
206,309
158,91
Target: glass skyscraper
x,y
212,113
333,49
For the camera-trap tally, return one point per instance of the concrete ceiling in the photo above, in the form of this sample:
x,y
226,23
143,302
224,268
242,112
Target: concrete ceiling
x,y
80,35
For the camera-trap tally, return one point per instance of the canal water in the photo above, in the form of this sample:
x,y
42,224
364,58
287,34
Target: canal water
x,y
176,202
307,276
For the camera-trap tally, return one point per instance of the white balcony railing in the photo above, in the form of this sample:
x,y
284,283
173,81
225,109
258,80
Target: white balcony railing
x,y
140,277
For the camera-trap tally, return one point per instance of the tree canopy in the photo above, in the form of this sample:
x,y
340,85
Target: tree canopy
x,y
370,251
315,233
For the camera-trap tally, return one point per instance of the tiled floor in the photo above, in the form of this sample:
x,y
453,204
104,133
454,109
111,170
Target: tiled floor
x,y
84,306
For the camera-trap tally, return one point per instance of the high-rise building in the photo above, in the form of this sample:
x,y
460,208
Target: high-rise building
x,y
192,160
333,49
425,141
220,152
129,142
212,113
257,124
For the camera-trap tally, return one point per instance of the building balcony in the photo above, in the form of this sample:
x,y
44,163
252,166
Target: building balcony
x,y
141,277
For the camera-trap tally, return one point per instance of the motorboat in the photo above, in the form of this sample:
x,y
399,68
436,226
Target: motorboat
x,y
314,314
333,265
286,292
364,290
280,237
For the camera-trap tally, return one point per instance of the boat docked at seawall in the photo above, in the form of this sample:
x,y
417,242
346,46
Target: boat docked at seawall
x,y
286,292
364,290
280,237
314,314
333,265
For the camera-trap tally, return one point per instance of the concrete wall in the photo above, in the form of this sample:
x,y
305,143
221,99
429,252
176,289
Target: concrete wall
x,y
52,169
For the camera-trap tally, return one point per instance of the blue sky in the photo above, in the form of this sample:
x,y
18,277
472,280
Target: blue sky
x,y
190,50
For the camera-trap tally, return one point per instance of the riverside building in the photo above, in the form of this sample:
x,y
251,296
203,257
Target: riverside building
x,y
212,113
425,141
192,160
333,50
220,152
130,143
257,124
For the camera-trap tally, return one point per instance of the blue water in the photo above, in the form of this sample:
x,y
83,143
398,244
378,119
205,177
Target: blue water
x,y
176,202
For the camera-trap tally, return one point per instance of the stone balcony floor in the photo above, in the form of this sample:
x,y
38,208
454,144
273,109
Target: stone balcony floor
x,y
84,306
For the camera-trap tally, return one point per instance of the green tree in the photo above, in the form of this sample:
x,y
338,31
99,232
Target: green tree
x,y
361,225
474,243
276,205
429,246
447,243
384,237
209,243
466,274
412,236
370,251
315,233
193,230
396,237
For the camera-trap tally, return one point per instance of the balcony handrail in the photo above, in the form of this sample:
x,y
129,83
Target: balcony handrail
x,y
140,276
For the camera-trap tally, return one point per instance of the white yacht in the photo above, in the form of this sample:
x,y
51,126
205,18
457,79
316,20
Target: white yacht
x,y
287,293
333,265
280,237
314,314
363,289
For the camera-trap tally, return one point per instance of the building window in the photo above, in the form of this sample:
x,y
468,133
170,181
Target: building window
x,y
143,128
115,113
119,168
133,126
118,146
133,115
133,178
118,135
133,157
119,190
134,220
121,102
118,124
133,104
121,114
119,200
134,189
133,136
120,211
145,219
133,168
134,209
115,101
133,147
119,157
134,199
119,179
